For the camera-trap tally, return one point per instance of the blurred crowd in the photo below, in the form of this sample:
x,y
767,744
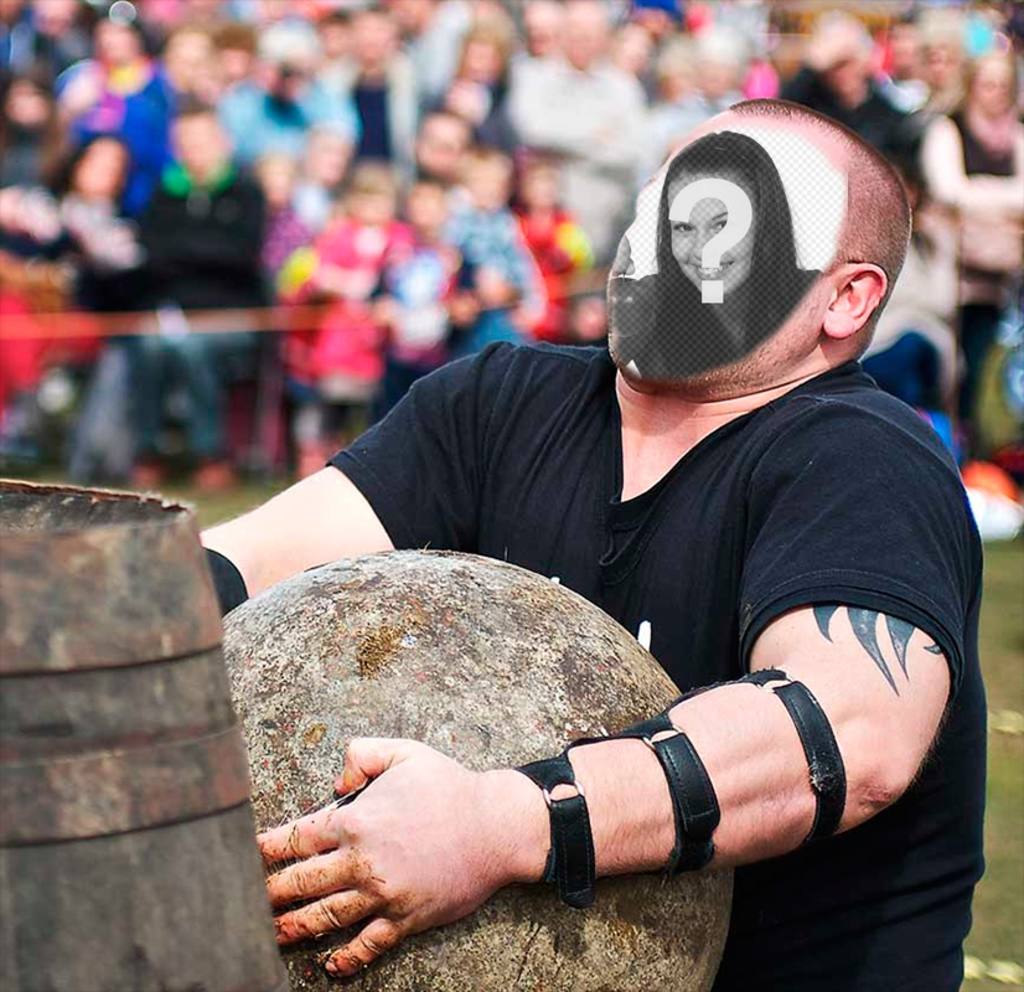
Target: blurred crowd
x,y
316,202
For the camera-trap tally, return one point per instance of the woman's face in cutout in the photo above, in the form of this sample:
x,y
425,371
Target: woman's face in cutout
x,y
707,219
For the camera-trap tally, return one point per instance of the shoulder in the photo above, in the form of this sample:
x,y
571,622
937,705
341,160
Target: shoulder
x,y
531,367
510,376
858,433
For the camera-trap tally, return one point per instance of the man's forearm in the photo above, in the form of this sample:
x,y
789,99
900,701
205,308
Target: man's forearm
x,y
320,519
754,759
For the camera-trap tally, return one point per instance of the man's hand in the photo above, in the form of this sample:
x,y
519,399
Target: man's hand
x,y
425,844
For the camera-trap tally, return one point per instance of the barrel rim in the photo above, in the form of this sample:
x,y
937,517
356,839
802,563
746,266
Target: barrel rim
x,y
172,508
135,574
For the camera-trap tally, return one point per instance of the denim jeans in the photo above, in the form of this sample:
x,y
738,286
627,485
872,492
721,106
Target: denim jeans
x,y
203,365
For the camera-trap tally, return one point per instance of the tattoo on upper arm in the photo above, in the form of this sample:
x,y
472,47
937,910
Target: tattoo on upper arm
x,y
865,628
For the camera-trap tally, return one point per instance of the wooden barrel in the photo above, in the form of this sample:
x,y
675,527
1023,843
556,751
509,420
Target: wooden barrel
x,y
495,666
127,850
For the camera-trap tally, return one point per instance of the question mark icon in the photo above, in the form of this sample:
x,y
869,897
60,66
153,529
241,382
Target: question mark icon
x,y
740,215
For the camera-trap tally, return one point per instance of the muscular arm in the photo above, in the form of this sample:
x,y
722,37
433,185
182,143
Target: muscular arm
x,y
319,519
440,839
883,686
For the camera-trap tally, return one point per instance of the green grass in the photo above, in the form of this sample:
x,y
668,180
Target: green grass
x,y
998,931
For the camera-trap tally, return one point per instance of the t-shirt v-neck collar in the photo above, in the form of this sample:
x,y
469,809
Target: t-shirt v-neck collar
x,y
640,513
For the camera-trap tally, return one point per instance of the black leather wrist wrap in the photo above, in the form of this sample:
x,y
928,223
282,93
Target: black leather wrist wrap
x,y
570,863
227,581
694,803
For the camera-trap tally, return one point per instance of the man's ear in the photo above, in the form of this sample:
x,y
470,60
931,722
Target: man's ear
x,y
858,289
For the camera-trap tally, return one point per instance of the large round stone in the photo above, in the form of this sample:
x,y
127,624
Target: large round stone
x,y
494,666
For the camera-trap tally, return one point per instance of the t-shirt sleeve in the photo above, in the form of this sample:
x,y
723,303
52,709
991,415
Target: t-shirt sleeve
x,y
849,507
421,467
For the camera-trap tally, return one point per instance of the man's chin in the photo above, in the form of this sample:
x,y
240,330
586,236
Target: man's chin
x,y
698,386
647,382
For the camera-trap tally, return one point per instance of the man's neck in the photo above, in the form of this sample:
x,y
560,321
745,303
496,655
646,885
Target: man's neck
x,y
660,428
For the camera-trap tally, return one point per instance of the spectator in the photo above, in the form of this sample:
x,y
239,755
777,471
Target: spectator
x,y
433,33
121,91
336,368
334,30
835,79
902,84
75,249
718,63
380,83
104,249
236,53
498,265
543,24
15,38
328,153
190,64
30,134
591,114
285,231
659,18
104,246
974,163
441,147
421,297
674,73
479,90
276,112
58,39
557,242
202,233
633,53
913,352
943,49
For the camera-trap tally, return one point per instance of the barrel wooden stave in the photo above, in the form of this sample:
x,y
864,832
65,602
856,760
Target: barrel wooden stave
x,y
128,859
178,908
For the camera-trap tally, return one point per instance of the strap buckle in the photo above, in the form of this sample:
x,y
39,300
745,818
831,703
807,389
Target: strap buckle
x,y
550,800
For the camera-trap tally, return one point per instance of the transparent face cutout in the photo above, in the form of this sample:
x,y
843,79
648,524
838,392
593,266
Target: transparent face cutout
x,y
720,253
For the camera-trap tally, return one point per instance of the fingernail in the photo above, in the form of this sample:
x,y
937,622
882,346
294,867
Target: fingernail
x,y
331,968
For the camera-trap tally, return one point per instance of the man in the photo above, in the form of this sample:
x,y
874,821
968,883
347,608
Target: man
x,y
836,80
903,86
202,235
441,146
277,112
543,23
718,58
778,516
380,84
433,33
591,115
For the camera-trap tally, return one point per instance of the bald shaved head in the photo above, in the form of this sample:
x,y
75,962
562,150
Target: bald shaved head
x,y
877,227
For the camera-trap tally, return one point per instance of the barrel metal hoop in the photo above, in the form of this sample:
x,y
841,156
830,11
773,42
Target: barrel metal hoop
x,y
94,795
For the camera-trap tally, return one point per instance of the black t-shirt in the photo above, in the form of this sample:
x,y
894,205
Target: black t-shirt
x,y
834,493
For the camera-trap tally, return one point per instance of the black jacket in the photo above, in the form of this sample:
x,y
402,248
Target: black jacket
x,y
876,120
203,245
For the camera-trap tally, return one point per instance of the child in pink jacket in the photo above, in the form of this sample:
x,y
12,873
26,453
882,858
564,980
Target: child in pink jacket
x,y
336,367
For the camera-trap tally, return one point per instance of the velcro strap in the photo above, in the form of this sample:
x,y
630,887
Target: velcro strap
x,y
693,801
828,776
571,863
